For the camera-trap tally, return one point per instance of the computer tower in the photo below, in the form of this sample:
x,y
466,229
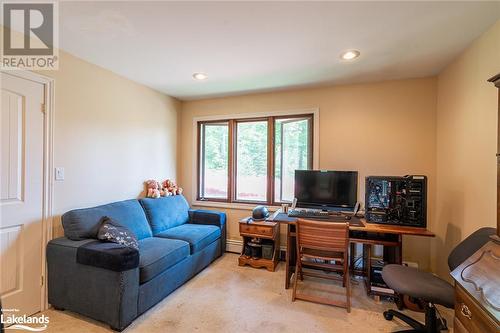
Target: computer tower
x,y
396,200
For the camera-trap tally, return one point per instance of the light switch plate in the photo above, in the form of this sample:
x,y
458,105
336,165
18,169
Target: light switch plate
x,y
59,173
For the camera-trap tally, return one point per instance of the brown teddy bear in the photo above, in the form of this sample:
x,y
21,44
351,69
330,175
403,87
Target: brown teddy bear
x,y
153,189
171,187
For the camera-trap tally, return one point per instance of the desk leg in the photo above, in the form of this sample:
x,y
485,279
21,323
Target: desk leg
x,y
400,249
351,257
368,279
394,254
287,258
290,255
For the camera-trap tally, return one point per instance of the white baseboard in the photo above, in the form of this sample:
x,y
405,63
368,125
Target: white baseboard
x,y
234,245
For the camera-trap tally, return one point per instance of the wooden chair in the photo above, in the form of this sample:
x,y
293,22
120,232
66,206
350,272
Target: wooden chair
x,y
322,245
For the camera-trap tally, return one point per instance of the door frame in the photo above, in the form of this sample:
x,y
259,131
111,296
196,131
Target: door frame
x,y
48,166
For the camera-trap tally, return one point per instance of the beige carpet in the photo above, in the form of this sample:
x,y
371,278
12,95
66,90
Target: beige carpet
x,y
228,298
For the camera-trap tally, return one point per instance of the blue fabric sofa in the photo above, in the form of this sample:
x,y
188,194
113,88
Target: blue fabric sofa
x,y
114,284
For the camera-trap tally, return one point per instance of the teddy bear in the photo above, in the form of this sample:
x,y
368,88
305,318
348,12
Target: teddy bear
x,y
153,189
171,187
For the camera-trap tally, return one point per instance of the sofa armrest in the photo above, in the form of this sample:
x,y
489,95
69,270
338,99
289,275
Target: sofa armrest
x,y
202,216
107,255
102,294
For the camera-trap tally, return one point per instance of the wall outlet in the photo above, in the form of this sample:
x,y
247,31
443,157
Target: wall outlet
x,y
59,173
410,264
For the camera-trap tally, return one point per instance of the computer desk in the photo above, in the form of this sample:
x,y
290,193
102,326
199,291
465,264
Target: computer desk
x,y
361,232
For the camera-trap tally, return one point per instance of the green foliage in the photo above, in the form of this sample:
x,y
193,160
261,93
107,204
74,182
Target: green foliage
x,y
294,147
252,149
216,147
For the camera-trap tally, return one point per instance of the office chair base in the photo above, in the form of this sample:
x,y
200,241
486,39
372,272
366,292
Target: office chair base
x,y
432,324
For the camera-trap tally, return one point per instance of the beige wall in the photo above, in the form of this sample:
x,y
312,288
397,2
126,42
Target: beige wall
x,y
385,128
466,146
110,134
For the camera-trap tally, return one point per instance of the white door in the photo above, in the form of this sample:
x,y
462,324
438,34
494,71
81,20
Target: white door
x,y
21,201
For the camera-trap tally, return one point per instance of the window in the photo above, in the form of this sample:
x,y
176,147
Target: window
x,y
292,142
214,160
253,160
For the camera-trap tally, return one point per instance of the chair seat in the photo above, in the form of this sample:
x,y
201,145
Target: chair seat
x,y
415,283
158,254
198,236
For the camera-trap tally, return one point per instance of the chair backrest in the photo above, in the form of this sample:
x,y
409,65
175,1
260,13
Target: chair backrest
x,y
322,235
469,246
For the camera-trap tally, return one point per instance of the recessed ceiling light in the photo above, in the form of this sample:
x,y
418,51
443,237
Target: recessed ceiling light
x,y
350,55
200,76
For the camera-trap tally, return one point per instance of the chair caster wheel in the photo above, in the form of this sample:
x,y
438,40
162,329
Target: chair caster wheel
x,y
388,315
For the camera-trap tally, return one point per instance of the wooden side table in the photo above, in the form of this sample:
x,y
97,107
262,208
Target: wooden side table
x,y
263,230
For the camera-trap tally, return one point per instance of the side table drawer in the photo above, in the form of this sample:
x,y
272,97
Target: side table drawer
x,y
258,230
470,315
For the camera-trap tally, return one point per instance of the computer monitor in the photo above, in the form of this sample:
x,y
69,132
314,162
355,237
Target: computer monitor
x,y
331,190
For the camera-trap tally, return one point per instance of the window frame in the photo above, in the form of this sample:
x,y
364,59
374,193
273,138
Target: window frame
x,y
312,115
200,157
310,144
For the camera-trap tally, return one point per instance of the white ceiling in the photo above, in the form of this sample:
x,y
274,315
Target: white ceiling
x,y
261,46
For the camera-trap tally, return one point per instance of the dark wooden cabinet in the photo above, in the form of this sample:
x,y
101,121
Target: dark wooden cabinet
x,y
496,81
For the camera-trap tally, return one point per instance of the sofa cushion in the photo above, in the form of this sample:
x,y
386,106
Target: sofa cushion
x,y
198,236
158,254
84,223
165,213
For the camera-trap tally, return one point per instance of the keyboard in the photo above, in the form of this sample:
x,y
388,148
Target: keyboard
x,y
309,213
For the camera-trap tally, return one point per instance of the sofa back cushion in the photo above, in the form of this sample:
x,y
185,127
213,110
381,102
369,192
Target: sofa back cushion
x,y
165,213
84,223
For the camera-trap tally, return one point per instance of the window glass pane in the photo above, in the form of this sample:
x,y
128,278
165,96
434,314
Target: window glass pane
x,y
291,153
251,161
214,160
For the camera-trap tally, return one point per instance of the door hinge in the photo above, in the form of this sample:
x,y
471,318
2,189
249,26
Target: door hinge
x,y
42,106
41,280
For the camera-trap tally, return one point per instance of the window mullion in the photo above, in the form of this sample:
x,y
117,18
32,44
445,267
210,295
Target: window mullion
x,y
281,162
310,137
231,162
201,157
270,160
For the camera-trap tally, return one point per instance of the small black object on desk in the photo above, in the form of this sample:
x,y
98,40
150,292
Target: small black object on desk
x,y
260,213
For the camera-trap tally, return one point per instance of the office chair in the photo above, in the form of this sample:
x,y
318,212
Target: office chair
x,y
429,289
322,245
